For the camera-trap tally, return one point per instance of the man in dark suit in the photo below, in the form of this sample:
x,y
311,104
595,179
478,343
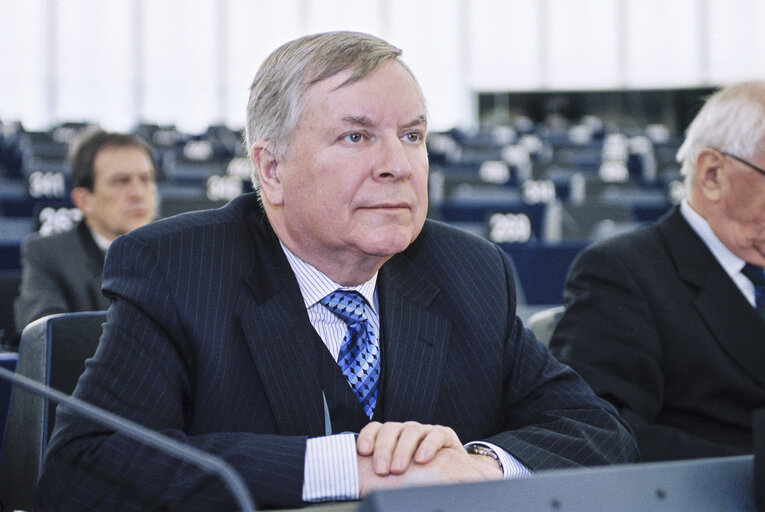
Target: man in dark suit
x,y
664,321
114,186
269,334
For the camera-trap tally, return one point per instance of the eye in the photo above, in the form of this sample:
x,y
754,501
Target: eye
x,y
413,137
354,138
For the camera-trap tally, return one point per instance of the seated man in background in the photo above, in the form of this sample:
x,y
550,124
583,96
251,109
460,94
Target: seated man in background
x,y
666,322
269,331
114,186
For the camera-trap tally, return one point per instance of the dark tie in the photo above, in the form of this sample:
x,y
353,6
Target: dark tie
x,y
359,356
757,276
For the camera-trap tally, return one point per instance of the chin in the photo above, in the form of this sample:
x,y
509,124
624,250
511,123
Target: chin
x,y
758,257
135,225
389,244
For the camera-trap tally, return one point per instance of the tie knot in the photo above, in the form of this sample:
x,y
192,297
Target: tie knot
x,y
347,304
755,274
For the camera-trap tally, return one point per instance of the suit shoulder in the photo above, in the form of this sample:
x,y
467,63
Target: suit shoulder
x,y
637,241
636,251
62,239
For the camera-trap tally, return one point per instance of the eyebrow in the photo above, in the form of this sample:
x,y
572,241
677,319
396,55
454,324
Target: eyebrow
x,y
365,121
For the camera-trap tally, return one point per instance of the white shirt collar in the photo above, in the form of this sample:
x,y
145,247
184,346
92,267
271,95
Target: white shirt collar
x,y
101,241
315,285
729,261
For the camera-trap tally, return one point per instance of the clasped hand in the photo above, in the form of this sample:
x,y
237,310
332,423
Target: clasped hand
x,y
395,454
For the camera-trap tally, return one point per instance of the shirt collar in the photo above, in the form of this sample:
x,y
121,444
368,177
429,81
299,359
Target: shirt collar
x,y
729,261
315,285
101,241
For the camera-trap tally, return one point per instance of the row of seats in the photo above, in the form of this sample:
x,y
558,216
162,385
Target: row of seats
x,y
525,182
520,184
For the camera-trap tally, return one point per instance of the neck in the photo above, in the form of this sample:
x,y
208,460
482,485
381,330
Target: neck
x,y
699,203
343,269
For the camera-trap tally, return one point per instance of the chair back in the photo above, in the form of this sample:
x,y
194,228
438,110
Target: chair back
x,y
53,350
542,323
9,290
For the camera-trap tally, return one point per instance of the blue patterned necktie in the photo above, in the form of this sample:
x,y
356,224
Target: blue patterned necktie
x,y
359,356
757,276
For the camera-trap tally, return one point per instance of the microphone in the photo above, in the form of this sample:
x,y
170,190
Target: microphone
x,y
205,461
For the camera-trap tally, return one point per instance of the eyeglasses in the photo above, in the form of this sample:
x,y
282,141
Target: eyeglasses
x,y
745,162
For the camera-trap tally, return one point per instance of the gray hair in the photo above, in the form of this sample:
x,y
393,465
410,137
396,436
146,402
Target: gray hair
x,y
731,120
274,107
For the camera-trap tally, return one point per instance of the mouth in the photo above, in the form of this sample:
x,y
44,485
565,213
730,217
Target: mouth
x,y
138,211
389,206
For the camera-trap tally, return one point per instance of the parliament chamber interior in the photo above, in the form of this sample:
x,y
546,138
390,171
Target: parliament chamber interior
x,y
555,125
541,188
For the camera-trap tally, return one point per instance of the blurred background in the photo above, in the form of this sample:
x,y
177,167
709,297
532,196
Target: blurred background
x,y
555,122
189,62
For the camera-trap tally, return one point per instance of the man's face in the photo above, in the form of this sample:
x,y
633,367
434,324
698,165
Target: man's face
x,y
124,195
352,186
740,222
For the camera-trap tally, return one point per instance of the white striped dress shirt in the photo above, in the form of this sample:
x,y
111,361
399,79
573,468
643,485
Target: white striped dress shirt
x,y
331,470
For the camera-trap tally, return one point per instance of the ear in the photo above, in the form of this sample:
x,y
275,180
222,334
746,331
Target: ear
x,y
710,174
266,165
81,199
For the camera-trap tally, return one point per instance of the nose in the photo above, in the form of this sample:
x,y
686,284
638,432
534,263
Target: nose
x,y
394,162
141,187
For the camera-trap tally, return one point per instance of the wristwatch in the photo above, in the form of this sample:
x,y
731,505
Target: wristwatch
x,y
482,449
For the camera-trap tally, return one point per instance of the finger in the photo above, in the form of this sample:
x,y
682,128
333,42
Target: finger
x,y
385,443
365,442
437,438
412,434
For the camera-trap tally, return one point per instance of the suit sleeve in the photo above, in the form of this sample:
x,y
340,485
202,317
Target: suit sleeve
x,y
608,335
141,371
552,417
41,292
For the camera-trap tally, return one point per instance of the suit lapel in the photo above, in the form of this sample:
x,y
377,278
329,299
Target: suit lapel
x,y
732,320
278,334
93,263
414,342
94,257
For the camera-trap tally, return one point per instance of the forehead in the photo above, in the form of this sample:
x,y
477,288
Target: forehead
x,y
390,90
122,158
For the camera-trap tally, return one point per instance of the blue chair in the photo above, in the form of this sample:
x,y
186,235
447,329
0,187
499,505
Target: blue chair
x,y
542,323
9,290
10,254
543,267
8,361
52,351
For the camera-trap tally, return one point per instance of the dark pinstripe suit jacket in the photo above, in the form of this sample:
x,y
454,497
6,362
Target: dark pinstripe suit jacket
x,y
656,325
208,340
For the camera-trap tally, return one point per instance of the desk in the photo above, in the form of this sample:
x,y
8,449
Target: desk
x,y
344,506
702,485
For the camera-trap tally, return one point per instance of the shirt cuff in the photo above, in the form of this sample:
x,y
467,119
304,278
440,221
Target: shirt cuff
x,y
331,471
511,467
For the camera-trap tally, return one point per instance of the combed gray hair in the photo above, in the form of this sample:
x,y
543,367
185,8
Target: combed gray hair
x,y
274,107
731,120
